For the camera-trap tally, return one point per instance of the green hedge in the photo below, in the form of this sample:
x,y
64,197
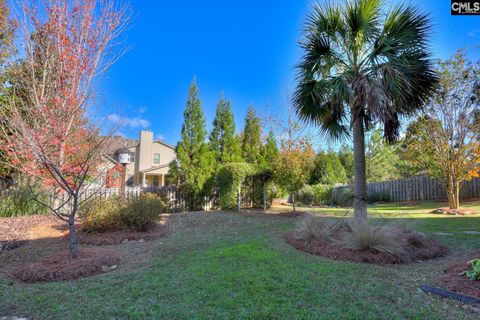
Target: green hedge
x,y
231,178
316,194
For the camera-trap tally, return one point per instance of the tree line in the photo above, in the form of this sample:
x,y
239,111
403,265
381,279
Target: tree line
x,y
200,153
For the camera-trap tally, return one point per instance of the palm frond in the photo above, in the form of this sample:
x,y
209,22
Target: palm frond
x,y
356,64
322,103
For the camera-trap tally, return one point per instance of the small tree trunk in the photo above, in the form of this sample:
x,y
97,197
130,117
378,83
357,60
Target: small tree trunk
x,y
453,190
360,181
264,197
293,202
457,194
71,226
239,198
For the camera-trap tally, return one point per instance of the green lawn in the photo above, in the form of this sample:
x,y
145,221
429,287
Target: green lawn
x,y
237,266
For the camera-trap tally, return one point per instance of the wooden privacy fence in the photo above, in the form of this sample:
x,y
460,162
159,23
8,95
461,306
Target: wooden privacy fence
x,y
176,200
420,188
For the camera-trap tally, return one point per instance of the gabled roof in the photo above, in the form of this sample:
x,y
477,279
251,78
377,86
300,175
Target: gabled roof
x,y
109,158
116,143
154,168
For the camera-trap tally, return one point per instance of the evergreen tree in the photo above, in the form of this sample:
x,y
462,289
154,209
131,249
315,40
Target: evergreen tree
x,y
345,155
270,150
327,169
381,159
338,168
223,142
195,159
251,140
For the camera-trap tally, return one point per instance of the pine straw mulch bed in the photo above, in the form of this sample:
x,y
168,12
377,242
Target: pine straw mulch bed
x,y
59,266
428,249
461,284
15,231
271,212
454,212
117,237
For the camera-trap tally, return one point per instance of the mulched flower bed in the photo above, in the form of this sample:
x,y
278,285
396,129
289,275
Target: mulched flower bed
x,y
428,249
454,212
116,237
461,284
19,228
11,244
16,231
59,266
290,214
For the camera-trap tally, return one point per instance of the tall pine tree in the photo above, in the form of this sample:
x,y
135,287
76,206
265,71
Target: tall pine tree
x,y
251,140
270,150
223,142
194,157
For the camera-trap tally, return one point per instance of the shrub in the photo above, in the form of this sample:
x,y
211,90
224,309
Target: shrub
x,y
316,194
369,236
105,215
140,214
474,272
322,193
342,196
314,227
100,215
18,200
305,196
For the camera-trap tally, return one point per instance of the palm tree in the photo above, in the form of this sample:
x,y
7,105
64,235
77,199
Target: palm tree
x,y
363,67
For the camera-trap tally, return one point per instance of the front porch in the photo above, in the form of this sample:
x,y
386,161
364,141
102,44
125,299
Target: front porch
x,y
153,180
154,177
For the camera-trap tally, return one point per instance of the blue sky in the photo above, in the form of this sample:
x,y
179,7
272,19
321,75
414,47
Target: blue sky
x,y
246,49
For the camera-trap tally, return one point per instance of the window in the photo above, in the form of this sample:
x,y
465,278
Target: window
x,y
156,158
132,157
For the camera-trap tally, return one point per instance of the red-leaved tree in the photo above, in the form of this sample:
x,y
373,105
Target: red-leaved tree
x,y
47,131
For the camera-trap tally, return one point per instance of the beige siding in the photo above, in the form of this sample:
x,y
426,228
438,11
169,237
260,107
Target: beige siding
x,y
145,151
167,155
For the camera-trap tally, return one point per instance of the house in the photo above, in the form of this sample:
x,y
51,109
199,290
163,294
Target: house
x,y
149,161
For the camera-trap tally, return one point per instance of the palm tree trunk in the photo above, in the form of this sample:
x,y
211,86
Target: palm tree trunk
x,y
360,181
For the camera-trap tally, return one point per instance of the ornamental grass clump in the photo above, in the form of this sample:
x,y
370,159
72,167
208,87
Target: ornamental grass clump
x,y
364,236
373,241
314,227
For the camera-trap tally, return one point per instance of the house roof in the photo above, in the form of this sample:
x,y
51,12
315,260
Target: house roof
x,y
115,143
109,158
118,142
154,168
